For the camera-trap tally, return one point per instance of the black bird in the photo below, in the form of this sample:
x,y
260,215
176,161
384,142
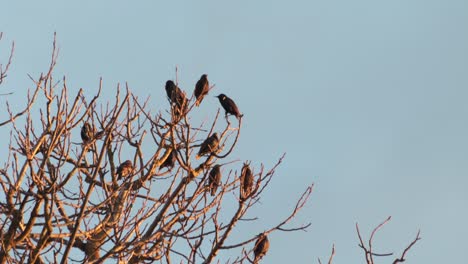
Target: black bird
x,y
261,247
170,88
86,132
172,91
208,146
246,182
176,96
229,106
214,179
201,89
170,160
125,169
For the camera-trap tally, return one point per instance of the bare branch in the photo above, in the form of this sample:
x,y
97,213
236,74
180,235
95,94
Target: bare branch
x,y
402,258
369,253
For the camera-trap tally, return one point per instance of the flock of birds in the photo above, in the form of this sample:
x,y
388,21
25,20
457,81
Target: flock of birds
x,y
178,99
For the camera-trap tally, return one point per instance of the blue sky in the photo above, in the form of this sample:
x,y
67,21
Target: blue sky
x,y
367,98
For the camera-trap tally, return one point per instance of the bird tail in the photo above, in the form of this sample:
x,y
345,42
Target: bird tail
x,y
256,259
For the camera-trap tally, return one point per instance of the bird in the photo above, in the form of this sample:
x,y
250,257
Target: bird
x,y
214,179
176,96
201,89
246,182
170,160
125,169
86,132
229,106
261,247
208,146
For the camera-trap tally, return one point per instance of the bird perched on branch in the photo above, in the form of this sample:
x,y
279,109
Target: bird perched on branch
x,y
176,96
229,106
86,132
174,93
208,146
125,169
214,179
261,247
201,89
170,160
246,182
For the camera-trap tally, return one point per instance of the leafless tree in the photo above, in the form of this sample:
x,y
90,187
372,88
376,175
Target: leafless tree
x,y
90,181
93,182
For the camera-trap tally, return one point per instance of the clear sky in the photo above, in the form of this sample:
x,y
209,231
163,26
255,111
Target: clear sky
x,y
368,98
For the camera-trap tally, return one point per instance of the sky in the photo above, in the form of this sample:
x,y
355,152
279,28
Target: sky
x,y
366,98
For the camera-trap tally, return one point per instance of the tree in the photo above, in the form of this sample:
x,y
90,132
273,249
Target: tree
x,y
102,196
79,185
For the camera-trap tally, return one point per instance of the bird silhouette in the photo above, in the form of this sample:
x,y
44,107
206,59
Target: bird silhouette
x,y
229,106
176,97
214,179
201,89
261,247
86,132
125,169
170,160
208,146
246,182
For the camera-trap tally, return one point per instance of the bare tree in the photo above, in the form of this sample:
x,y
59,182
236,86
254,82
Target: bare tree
x,y
91,182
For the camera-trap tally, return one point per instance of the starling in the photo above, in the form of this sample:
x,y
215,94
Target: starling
x,y
246,182
174,93
125,169
201,89
214,179
176,96
261,247
229,106
170,89
86,132
170,160
208,146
